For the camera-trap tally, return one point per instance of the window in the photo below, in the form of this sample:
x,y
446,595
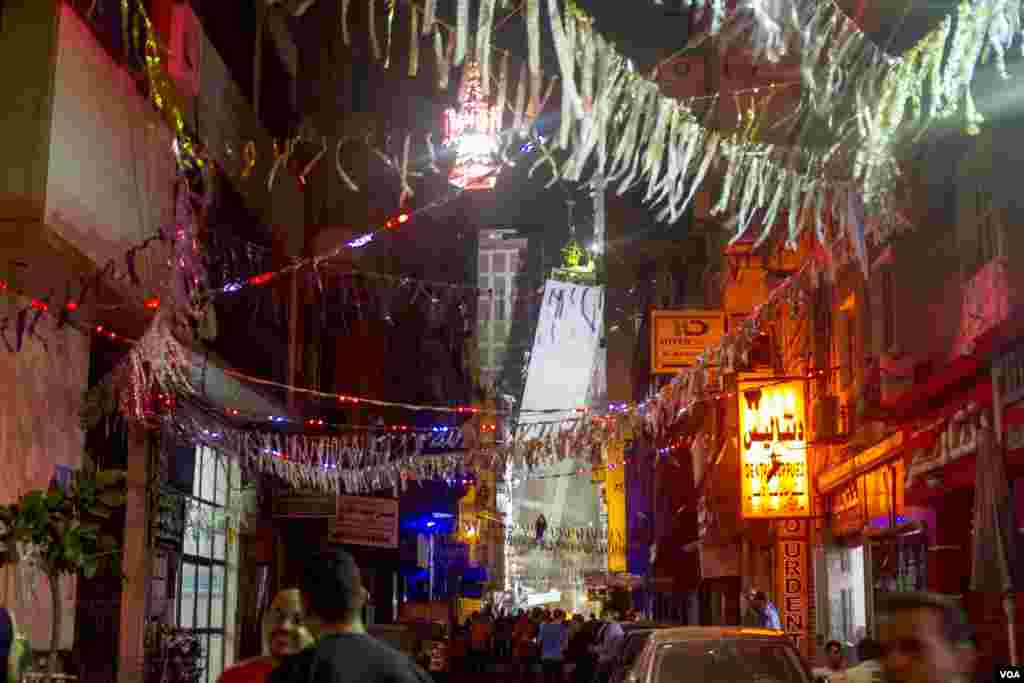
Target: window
x,y
484,310
513,262
204,595
485,263
500,261
888,311
500,296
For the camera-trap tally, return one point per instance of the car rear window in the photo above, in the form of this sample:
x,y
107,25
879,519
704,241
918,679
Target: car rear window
x,y
729,661
634,646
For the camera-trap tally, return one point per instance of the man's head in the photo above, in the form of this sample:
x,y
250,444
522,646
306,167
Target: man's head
x,y
921,634
284,626
759,601
834,654
333,589
559,616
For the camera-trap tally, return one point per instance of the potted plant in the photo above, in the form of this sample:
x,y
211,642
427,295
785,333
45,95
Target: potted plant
x,y
58,531
173,655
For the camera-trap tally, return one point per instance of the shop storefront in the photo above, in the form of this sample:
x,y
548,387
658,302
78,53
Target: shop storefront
x,y
876,542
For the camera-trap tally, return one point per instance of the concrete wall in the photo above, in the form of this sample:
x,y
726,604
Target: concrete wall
x,y
39,429
111,165
226,122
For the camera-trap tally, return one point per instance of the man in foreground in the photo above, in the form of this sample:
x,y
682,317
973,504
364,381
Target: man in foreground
x,y
333,591
921,636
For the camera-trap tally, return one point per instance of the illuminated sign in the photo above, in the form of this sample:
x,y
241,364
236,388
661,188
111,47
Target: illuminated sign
x,y
678,337
773,447
793,589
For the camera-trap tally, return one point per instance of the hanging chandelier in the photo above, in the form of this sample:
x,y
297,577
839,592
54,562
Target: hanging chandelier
x,y
473,132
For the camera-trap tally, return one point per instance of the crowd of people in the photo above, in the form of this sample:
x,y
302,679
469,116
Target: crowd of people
x,y
314,633
544,644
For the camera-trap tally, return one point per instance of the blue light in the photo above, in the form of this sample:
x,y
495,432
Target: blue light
x,y
431,524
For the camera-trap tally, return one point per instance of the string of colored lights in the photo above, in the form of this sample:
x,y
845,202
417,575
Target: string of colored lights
x,y
347,399
312,424
362,240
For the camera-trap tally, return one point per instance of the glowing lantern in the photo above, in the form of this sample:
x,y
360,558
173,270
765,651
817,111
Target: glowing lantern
x,y
473,131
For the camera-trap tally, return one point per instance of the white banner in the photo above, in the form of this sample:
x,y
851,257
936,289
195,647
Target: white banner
x,y
564,373
564,350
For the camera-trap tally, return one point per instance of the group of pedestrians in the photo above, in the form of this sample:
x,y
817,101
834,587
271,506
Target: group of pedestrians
x,y
538,645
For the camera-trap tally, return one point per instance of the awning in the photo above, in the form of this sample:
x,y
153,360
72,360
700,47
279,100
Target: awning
x,y
919,399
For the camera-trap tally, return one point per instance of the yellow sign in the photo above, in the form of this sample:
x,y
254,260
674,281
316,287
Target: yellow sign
x,y
678,337
615,493
793,587
773,447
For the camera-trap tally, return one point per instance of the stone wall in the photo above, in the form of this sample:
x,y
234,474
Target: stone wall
x,y
39,429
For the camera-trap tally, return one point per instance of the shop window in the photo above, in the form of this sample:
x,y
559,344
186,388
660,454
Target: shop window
x,y
888,311
205,599
847,341
500,262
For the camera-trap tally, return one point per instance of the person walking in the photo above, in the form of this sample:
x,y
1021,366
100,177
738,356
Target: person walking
x,y
284,634
524,637
762,613
553,637
835,665
481,637
609,640
922,635
334,597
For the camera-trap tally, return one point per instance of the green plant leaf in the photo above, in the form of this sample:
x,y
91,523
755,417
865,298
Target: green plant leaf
x,y
106,479
89,566
113,499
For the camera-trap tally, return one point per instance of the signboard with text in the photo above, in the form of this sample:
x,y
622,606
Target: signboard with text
x,y
678,337
773,449
366,521
793,589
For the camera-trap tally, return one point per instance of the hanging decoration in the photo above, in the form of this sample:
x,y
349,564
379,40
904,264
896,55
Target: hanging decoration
x,y
840,65
634,134
473,132
347,463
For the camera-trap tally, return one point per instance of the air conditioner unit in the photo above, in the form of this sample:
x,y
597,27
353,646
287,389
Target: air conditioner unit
x,y
185,49
825,417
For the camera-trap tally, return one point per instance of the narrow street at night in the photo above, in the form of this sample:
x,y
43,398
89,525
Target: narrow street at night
x,y
518,341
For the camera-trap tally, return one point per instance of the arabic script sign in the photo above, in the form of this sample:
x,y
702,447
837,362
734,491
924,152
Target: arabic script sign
x,y
678,337
366,521
773,448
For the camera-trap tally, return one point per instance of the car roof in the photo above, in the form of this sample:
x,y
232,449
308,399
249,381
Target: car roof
x,y
684,633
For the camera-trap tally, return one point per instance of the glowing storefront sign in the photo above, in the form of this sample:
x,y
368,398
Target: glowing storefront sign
x,y
773,447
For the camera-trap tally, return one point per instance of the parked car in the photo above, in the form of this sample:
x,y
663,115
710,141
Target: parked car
x,y
634,638
713,654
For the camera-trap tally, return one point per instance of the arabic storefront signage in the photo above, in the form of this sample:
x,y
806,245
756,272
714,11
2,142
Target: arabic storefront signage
x,y
366,521
848,513
773,448
956,437
678,337
793,588
836,476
